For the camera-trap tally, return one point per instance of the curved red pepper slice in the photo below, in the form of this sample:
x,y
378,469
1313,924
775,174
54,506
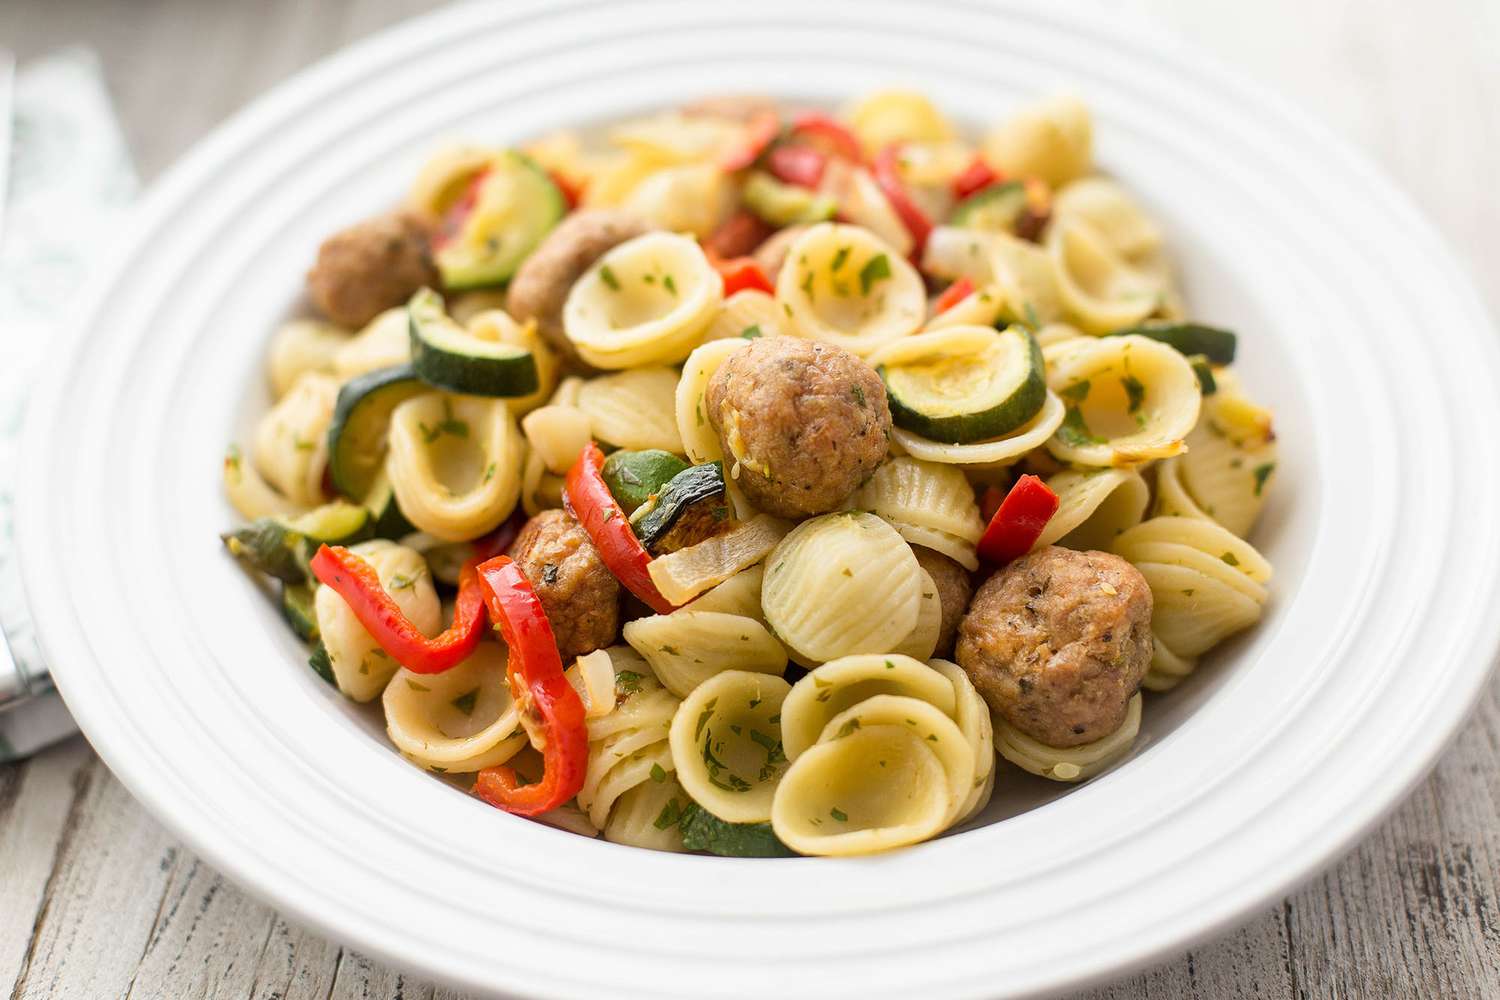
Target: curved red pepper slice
x,y
359,585
550,703
887,171
799,165
835,135
759,133
977,176
742,273
588,499
1018,523
954,294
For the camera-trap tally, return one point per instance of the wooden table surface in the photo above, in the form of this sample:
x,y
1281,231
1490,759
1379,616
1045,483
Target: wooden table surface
x,y
97,900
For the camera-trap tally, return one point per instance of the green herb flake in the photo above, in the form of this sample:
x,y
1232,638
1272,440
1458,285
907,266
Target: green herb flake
x,y
669,285
751,332
839,814
1077,392
1074,432
807,286
889,665
847,728
708,713
1261,474
877,268
465,702
848,572
416,685
670,650
1229,558
627,682
658,773
669,815
1135,392
858,392
608,277
839,258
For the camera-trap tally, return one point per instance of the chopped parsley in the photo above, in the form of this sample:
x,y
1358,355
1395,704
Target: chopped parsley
x,y
839,258
608,277
877,268
1077,392
669,815
751,332
807,286
1074,432
627,682
417,686
839,814
1229,558
465,702
858,392
847,728
1261,474
669,285
658,773
1135,392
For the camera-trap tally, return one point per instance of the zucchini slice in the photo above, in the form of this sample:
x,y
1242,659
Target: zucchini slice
x,y
381,503
297,608
1213,343
786,204
515,204
282,547
997,208
361,418
448,356
689,509
634,477
965,383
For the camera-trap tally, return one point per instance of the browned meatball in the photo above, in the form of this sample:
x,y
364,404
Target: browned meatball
x,y
370,267
1057,643
805,423
580,594
953,589
541,285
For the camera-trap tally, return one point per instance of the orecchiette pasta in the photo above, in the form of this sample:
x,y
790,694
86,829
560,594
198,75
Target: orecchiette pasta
x,y
647,301
633,409
557,435
923,718
455,463
922,640
843,683
926,502
291,442
726,743
841,584
361,667
746,314
461,720
1052,139
699,441
299,347
1129,400
843,285
686,648
1094,506
973,718
384,342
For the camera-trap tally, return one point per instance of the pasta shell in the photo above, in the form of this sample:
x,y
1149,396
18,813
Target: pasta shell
x,y
700,442
459,721
455,464
686,648
361,667
844,285
830,689
1130,399
634,409
726,742
1094,507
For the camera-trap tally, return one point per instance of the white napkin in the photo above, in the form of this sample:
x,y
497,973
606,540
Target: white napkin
x,y
71,179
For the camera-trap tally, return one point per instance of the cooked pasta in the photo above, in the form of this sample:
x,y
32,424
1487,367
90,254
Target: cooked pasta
x,y
459,721
686,648
647,301
291,441
844,285
361,667
1073,763
770,386
841,584
633,409
1129,400
454,464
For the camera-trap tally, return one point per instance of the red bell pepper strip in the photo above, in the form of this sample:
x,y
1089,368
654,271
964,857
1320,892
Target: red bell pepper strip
x,y
1018,523
741,233
571,190
586,496
458,213
551,707
759,133
359,585
977,176
887,170
834,136
799,165
954,294
742,273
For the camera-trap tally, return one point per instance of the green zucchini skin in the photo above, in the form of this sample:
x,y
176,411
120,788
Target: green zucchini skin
x,y
361,418
544,207
1215,344
282,547
699,484
445,355
962,428
634,477
381,503
997,208
321,664
297,608
786,204
703,831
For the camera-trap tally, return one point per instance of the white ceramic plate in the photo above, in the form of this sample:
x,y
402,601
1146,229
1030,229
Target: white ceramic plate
x,y
1357,327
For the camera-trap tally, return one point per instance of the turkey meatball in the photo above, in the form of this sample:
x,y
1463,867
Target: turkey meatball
x,y
541,285
1058,642
579,593
953,589
802,424
370,267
